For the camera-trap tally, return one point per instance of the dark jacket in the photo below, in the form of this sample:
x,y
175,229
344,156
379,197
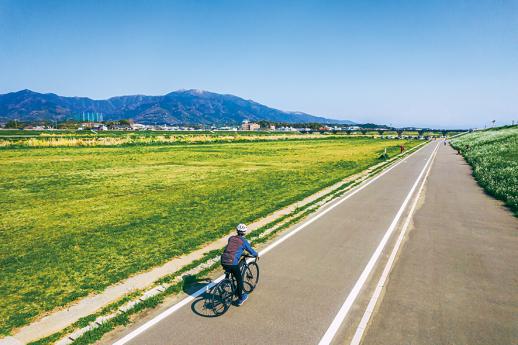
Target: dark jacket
x,y
235,247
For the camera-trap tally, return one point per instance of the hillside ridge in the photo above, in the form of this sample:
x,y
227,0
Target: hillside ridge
x,y
178,107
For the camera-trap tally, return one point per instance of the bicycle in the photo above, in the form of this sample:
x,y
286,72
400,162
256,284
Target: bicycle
x,y
223,294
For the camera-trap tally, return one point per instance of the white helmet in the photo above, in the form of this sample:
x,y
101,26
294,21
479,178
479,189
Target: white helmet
x,y
241,228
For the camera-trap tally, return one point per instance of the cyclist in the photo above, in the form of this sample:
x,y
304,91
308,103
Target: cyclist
x,y
231,255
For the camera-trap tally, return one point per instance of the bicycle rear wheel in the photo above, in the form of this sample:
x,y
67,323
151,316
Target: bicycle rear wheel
x,y
251,277
221,297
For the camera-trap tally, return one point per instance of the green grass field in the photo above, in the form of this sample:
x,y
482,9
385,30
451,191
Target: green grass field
x,y
77,219
493,155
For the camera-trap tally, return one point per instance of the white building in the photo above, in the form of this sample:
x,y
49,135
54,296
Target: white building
x,y
250,126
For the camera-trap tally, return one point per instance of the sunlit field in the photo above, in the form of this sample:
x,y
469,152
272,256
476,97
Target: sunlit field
x,y
60,138
77,219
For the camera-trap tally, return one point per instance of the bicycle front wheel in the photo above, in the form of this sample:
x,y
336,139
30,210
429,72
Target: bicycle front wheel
x,y
251,277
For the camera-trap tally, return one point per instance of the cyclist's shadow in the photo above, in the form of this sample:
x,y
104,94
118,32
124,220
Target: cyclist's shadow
x,y
201,304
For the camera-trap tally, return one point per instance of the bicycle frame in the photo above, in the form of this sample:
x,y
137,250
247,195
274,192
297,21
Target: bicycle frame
x,y
243,265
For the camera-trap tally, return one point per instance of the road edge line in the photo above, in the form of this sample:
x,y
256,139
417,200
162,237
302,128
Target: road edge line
x,y
369,311
353,294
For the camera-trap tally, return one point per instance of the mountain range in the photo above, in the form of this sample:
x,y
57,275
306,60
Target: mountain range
x,y
178,107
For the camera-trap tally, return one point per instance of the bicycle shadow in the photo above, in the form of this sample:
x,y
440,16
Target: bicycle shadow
x,y
201,307
201,304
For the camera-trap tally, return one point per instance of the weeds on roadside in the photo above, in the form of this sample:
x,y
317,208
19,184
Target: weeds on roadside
x,y
493,155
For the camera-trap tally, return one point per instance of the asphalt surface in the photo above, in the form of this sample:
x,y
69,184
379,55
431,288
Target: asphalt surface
x,y
456,279
304,280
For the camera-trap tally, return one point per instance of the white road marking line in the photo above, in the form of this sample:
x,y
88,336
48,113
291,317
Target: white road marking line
x,y
353,294
128,337
388,267
166,313
332,206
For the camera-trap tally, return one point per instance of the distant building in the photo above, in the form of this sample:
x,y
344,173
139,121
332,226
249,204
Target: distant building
x,y
91,125
120,127
34,128
227,128
287,129
272,127
250,126
138,126
101,128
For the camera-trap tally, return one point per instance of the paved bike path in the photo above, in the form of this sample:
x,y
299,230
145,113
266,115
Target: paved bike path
x,y
304,280
456,280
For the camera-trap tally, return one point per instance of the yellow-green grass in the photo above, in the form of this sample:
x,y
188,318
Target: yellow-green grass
x,y
493,155
123,138
78,219
129,140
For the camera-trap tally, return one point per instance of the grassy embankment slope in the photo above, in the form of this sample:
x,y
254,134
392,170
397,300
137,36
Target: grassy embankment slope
x,y
77,219
493,155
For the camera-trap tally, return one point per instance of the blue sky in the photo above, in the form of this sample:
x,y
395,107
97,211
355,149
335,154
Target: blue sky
x,y
423,63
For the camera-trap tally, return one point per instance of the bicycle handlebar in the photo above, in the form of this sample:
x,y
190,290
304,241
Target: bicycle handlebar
x,y
246,256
